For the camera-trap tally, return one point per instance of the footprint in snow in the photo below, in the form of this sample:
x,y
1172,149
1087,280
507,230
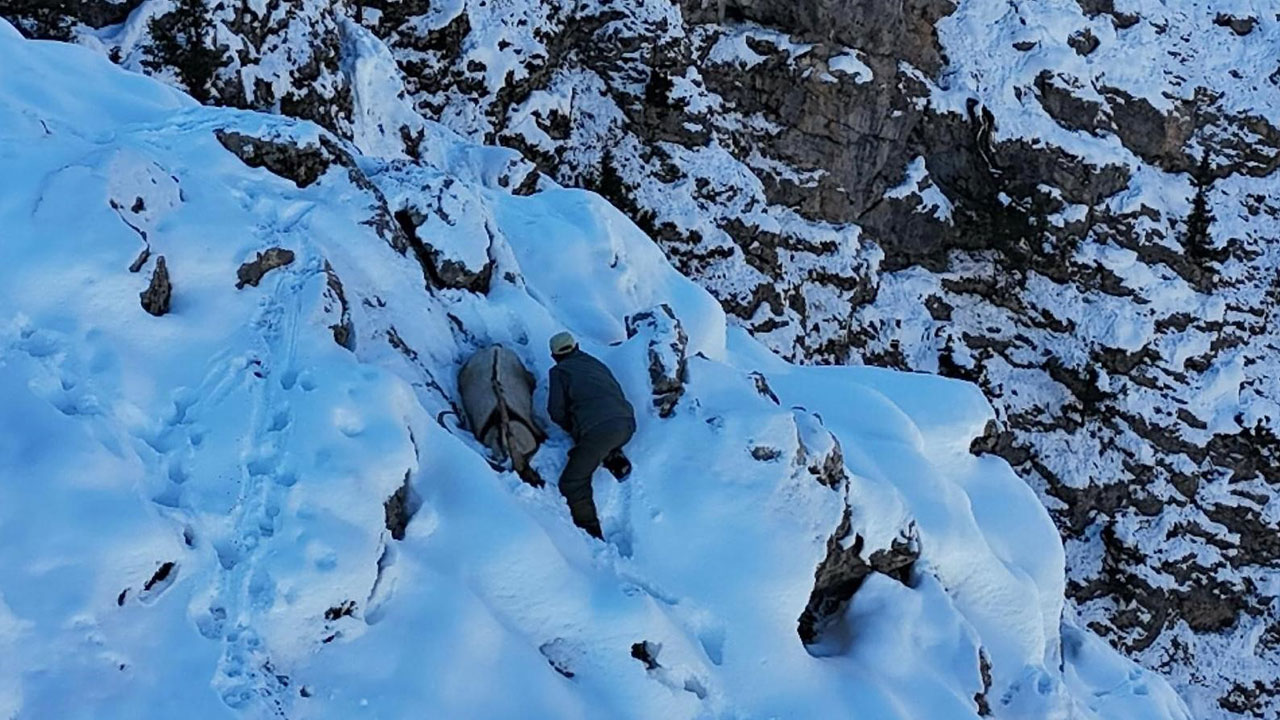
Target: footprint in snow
x,y
280,420
348,422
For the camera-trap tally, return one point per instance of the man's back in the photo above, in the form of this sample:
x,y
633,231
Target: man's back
x,y
584,394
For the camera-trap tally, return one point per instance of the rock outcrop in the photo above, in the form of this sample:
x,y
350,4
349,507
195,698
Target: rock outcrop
x,y
839,576
252,271
155,299
819,450
339,310
668,362
303,164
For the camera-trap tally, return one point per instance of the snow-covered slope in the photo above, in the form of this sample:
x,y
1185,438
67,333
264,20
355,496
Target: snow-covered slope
x,y
206,471
1068,202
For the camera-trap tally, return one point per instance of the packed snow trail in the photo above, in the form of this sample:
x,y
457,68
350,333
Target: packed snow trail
x,y
194,506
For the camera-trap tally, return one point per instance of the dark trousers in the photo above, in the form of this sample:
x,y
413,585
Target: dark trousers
x,y
588,452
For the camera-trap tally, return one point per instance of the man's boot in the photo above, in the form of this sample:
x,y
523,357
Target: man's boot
x,y
584,516
617,464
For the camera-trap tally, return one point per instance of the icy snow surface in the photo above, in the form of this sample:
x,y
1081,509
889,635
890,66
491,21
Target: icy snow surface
x,y
191,505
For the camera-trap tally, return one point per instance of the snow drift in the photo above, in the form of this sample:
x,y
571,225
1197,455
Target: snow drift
x,y
199,508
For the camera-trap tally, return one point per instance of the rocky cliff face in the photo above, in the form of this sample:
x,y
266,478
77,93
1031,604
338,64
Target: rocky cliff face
x,y
1071,204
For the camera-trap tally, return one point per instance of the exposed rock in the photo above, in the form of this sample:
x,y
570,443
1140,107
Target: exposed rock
x,y
1155,136
56,19
251,272
819,450
397,510
161,574
1093,8
882,27
980,697
647,653
843,571
143,256
559,656
898,560
1239,25
155,586
764,453
344,331
668,345
346,608
306,163
445,269
301,164
1250,699
1073,113
155,299
1084,42
1124,21
762,387
289,50
182,41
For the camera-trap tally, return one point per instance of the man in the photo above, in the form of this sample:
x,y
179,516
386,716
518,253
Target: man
x,y
586,400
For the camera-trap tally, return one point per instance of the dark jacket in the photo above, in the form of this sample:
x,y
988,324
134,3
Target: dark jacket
x,y
584,394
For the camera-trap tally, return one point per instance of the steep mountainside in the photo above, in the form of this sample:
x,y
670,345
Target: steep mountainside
x,y
237,484
1071,203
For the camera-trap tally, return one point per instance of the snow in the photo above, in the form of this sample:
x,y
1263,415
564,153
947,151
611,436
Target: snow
x,y
916,183
599,284
234,439
850,64
735,46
